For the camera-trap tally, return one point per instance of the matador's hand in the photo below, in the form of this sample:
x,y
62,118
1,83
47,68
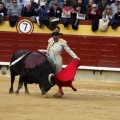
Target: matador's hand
x,y
77,58
42,51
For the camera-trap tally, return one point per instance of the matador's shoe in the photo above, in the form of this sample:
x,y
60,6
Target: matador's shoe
x,y
58,95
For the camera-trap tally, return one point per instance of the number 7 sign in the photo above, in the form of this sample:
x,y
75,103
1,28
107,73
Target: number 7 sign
x,y
25,26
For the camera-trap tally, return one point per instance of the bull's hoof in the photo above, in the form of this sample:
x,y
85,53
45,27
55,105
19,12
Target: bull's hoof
x,y
43,91
27,92
16,93
11,91
58,95
45,96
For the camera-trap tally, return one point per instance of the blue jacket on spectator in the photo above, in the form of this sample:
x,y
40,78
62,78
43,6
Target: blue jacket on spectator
x,y
43,12
43,16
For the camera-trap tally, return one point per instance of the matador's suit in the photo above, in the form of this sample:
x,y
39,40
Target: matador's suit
x,y
54,50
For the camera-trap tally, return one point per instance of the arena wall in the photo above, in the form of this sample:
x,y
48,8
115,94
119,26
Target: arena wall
x,y
95,49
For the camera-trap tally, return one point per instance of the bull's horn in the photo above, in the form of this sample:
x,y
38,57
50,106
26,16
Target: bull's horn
x,y
49,78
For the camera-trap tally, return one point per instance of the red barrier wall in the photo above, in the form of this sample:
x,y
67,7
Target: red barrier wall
x,y
93,51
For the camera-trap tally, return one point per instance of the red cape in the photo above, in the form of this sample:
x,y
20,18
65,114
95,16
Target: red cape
x,y
66,75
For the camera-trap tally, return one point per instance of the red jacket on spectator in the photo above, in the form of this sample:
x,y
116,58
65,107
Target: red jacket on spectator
x,y
97,15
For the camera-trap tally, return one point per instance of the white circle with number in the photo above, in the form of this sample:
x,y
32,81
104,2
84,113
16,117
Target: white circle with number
x,y
25,26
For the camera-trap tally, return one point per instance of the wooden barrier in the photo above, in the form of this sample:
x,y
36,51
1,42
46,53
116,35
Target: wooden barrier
x,y
94,48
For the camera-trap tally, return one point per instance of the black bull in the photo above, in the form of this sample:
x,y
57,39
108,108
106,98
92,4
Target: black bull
x,y
34,67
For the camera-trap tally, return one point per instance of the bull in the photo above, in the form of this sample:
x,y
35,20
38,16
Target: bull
x,y
32,67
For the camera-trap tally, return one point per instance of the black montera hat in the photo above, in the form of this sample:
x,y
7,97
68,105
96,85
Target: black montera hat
x,y
56,34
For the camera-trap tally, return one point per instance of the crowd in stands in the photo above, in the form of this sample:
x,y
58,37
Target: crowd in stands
x,y
50,12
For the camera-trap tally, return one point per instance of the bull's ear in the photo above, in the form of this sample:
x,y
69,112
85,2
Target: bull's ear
x,y
49,78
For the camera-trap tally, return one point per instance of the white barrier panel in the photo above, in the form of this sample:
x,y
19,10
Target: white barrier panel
x,y
81,67
97,68
106,74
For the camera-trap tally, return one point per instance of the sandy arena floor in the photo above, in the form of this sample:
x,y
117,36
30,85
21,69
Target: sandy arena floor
x,y
93,101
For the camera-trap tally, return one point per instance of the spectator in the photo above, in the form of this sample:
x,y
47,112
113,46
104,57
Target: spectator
x,y
83,7
73,2
116,20
34,4
43,16
107,16
114,6
102,5
43,2
64,2
3,12
13,12
107,13
85,2
94,14
89,5
49,1
75,20
27,11
7,3
57,1
66,14
21,3
79,2
55,14
111,1
57,29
